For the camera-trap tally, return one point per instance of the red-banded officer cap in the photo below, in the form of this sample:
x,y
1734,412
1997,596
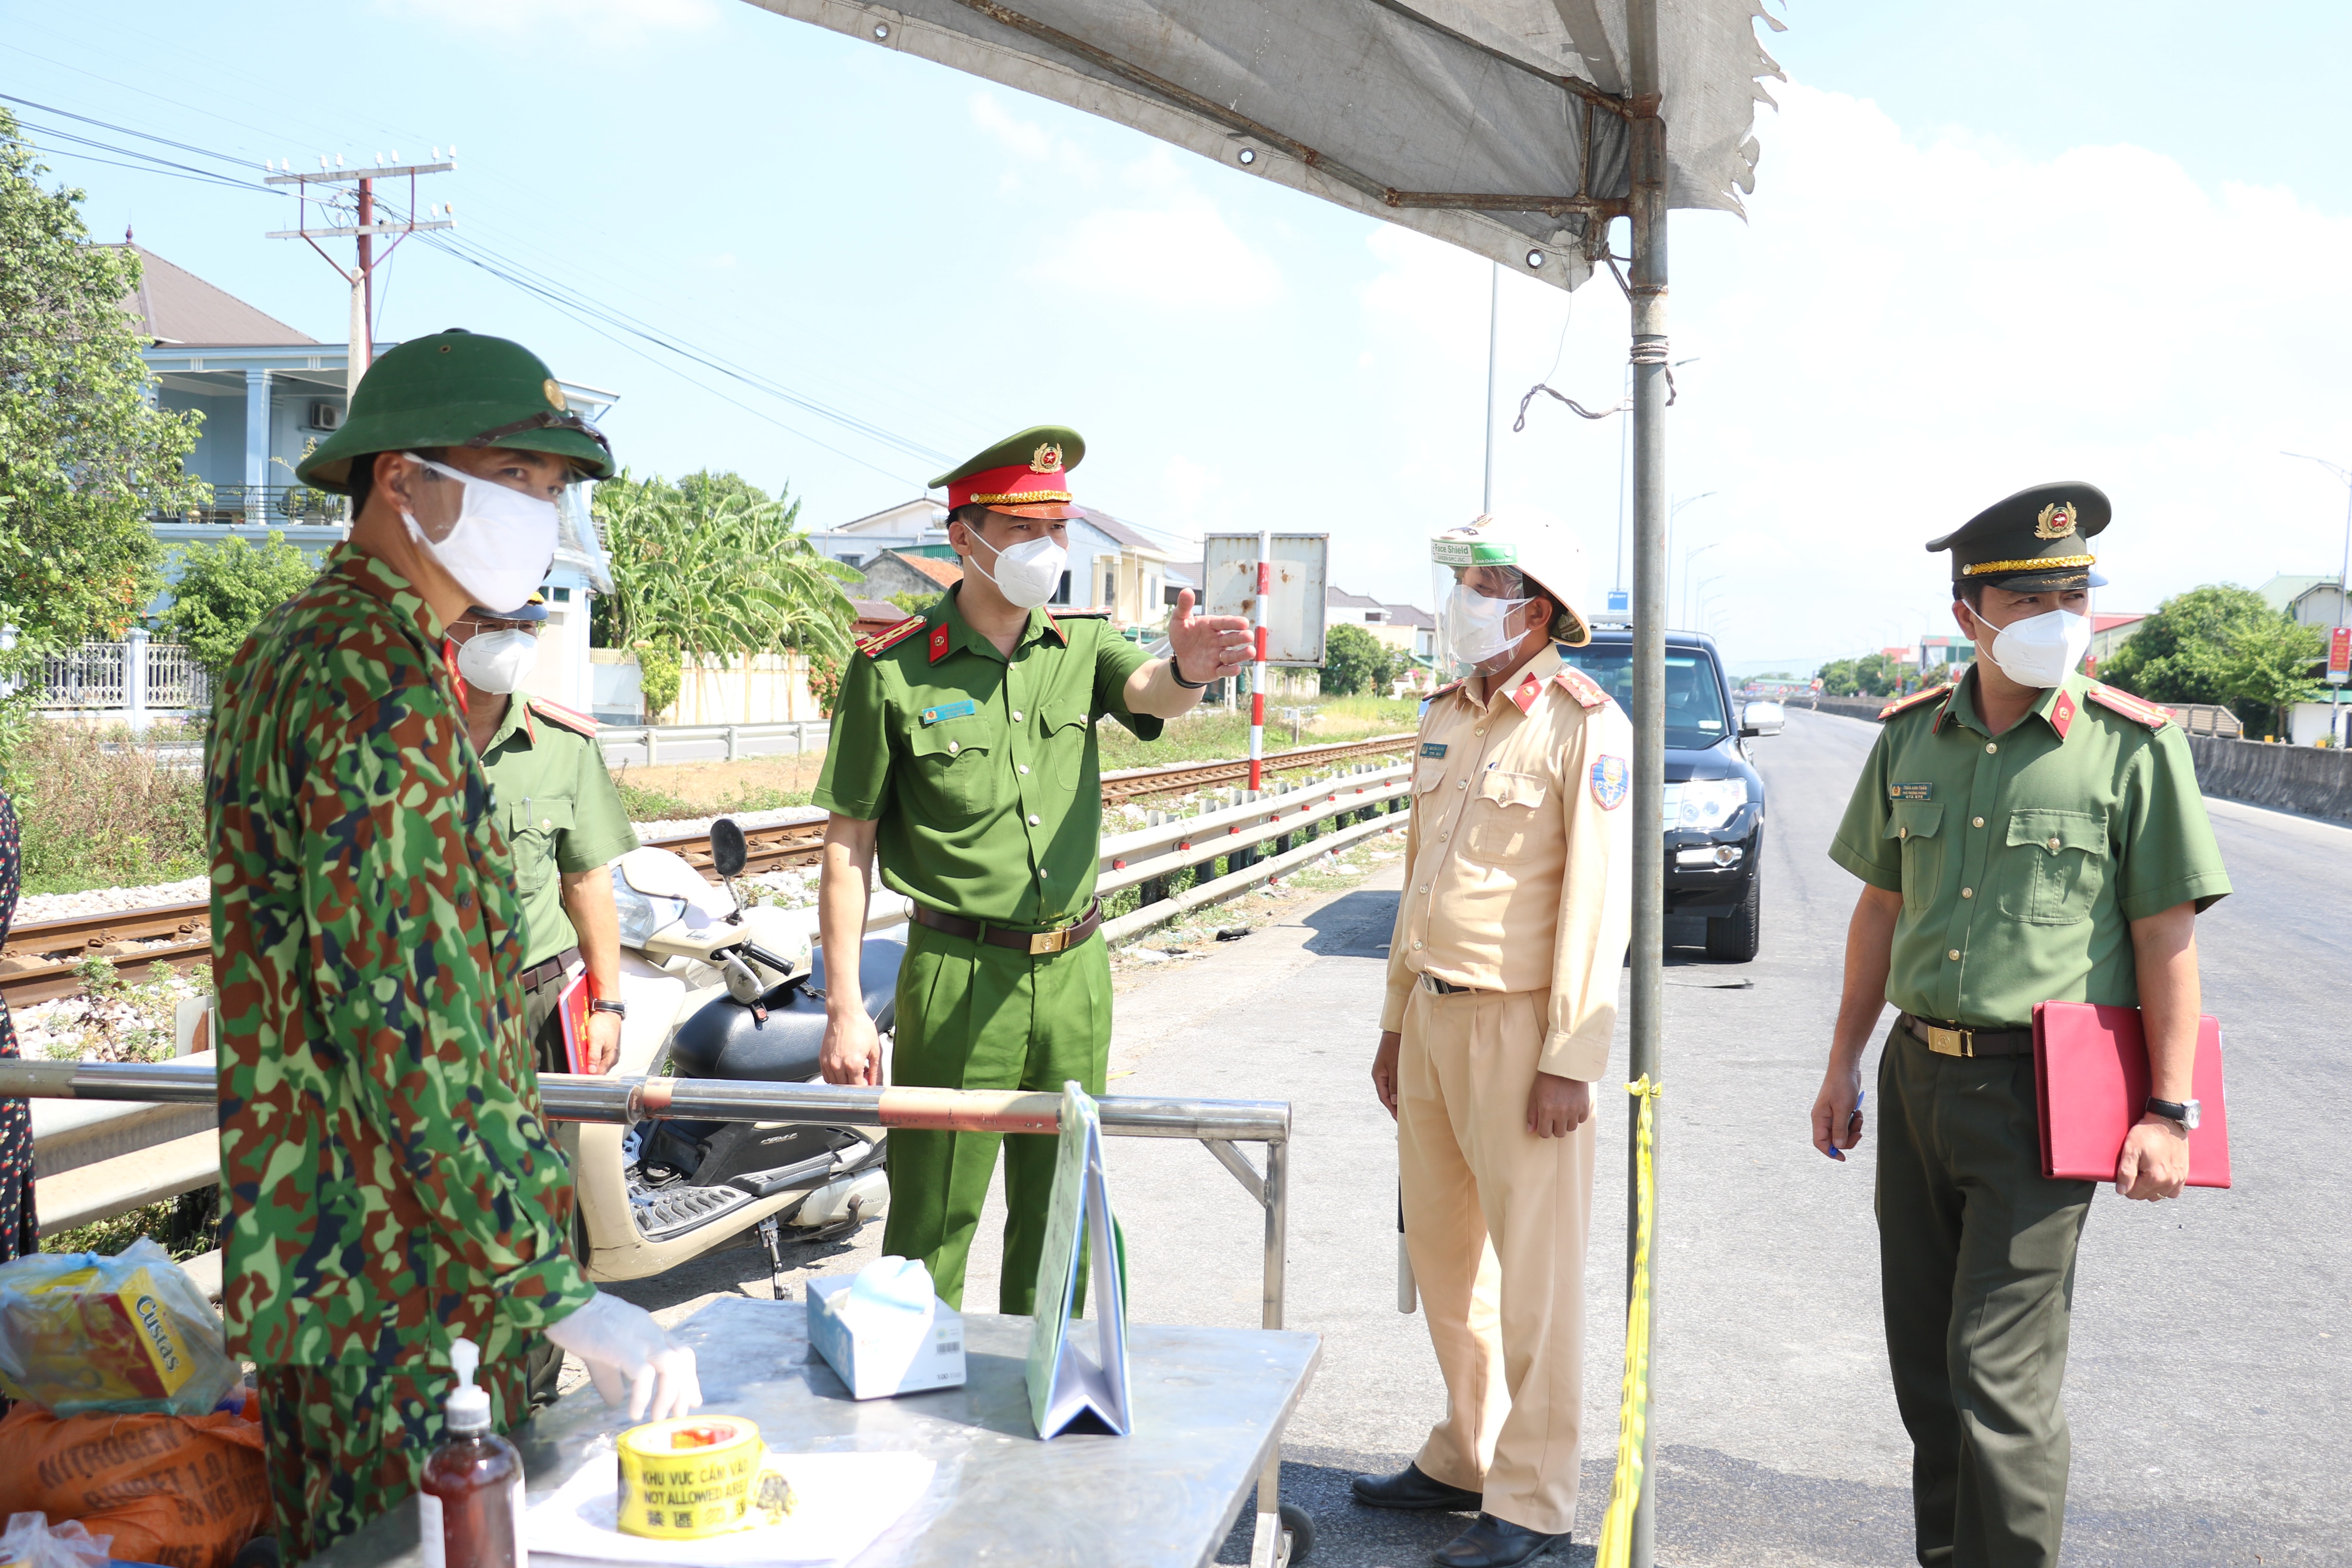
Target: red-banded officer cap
x,y
1026,475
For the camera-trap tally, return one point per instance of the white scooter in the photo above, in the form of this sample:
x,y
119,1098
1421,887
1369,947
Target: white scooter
x,y
718,991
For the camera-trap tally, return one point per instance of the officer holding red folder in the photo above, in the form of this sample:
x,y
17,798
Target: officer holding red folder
x,y
2024,835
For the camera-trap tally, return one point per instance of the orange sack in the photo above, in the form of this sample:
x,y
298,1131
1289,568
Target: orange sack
x,y
187,1491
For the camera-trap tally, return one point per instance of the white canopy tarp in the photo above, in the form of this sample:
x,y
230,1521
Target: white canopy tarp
x,y
1492,125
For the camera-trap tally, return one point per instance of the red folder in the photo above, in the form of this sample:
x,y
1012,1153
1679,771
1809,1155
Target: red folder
x,y
572,1004
2090,1073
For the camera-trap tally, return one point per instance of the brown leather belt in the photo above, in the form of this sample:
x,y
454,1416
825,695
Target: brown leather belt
x,y
1432,984
552,969
1952,1040
1033,943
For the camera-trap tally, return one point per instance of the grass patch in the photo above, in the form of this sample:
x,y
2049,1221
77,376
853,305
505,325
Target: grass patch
x,y
99,810
115,1020
185,1226
1217,735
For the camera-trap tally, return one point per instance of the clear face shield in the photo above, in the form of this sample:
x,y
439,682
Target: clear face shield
x,y
1479,607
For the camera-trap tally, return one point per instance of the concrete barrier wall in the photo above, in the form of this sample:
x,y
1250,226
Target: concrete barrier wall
x,y
1851,707
2289,778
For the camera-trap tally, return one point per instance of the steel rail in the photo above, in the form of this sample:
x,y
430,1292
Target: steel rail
x,y
628,1101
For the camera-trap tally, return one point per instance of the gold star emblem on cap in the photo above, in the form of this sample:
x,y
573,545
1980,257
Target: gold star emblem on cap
x,y
1047,459
554,394
2056,521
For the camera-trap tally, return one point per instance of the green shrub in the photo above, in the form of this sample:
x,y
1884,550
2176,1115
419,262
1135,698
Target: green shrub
x,y
659,672
99,810
223,591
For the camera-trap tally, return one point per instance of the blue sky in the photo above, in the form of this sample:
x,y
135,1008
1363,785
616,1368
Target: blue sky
x,y
1990,246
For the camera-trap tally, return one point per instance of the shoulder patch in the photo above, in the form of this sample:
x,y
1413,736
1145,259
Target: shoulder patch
x,y
1581,686
1905,704
563,718
871,645
1449,686
2137,709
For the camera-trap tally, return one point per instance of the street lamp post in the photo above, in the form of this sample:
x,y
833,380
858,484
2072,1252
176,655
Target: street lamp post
x,y
1673,513
1688,558
2343,587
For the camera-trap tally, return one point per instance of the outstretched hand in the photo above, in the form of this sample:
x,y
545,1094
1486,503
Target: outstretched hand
x,y
1207,648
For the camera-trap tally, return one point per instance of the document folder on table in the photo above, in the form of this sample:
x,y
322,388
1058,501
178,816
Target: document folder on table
x,y
2091,1074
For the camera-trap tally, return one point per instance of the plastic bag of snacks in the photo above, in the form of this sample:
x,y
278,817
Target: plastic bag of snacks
x,y
32,1542
130,1333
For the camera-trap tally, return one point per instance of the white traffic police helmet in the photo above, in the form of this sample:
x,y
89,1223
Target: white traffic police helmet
x,y
1491,566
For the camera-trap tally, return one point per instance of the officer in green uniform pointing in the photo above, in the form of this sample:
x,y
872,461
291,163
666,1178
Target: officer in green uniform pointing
x,y
963,750
2024,836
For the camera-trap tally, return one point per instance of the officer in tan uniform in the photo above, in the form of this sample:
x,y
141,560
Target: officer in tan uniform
x,y
1502,996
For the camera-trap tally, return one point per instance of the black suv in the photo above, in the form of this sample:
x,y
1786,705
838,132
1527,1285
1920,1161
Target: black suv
x,y
1715,796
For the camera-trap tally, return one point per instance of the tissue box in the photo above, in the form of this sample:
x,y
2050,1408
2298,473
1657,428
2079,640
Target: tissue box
x,y
907,1353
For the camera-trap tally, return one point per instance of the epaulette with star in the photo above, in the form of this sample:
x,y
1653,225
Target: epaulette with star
x,y
1581,686
895,634
1905,704
2137,710
563,718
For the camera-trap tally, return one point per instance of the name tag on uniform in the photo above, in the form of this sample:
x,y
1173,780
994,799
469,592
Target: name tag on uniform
x,y
1910,791
946,710
1432,748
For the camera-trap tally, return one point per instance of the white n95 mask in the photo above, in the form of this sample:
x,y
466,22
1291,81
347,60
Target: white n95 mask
x,y
496,661
1478,628
2043,649
1026,573
500,546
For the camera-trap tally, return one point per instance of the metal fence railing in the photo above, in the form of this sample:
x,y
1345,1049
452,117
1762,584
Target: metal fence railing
x,y
260,505
132,677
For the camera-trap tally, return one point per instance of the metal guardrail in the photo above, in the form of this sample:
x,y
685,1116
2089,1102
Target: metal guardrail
x,y
711,742
1355,804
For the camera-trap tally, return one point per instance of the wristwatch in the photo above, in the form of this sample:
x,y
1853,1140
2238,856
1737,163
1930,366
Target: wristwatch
x,y
605,1004
2181,1111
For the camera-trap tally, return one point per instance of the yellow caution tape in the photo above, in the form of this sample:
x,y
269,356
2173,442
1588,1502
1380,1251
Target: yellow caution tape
x,y
1633,1413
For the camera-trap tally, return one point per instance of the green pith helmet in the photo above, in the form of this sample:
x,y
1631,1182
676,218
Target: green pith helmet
x,y
456,389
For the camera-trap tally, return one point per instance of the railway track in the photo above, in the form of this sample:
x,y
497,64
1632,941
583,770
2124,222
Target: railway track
x,y
39,961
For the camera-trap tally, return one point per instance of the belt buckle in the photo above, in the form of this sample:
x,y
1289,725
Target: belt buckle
x,y
1045,942
1950,1042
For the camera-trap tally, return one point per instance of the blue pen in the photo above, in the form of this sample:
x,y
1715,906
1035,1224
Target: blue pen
x,y
1859,1096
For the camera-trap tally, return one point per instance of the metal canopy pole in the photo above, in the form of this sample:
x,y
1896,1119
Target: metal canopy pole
x,y
1648,222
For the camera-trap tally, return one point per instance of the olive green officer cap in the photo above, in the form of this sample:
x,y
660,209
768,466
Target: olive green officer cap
x,y
456,388
2037,540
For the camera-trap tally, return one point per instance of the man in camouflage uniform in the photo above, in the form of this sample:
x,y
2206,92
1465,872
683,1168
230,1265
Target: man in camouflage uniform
x,y
388,1182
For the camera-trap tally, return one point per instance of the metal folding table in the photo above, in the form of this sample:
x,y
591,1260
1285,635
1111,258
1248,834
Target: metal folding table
x,y
1208,1406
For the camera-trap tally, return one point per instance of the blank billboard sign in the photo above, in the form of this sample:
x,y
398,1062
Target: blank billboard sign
x,y
1294,622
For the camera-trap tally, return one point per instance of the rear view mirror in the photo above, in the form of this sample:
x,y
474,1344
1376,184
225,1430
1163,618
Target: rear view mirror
x,y
728,852
1761,719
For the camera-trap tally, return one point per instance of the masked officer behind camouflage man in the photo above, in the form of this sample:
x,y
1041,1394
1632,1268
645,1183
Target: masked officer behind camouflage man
x,y
1502,995
565,824
964,745
553,797
388,1180
2026,835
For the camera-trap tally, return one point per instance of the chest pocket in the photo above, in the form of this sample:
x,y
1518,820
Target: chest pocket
x,y
2053,866
1066,742
955,764
532,825
1917,826
1503,813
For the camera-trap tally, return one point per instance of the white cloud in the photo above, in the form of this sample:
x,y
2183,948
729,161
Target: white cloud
x,y
1175,252
1905,331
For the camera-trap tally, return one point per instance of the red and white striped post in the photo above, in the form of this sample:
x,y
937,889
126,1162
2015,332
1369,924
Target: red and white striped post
x,y
1257,666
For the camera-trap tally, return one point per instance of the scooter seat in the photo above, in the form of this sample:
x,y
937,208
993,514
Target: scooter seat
x,y
727,1040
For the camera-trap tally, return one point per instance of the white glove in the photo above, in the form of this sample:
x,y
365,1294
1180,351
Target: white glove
x,y
624,1348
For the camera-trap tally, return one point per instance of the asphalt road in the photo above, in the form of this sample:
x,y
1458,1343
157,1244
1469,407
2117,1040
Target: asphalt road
x,y
2210,1383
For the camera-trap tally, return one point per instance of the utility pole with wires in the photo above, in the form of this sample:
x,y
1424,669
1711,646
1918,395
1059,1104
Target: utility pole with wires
x,y
359,204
